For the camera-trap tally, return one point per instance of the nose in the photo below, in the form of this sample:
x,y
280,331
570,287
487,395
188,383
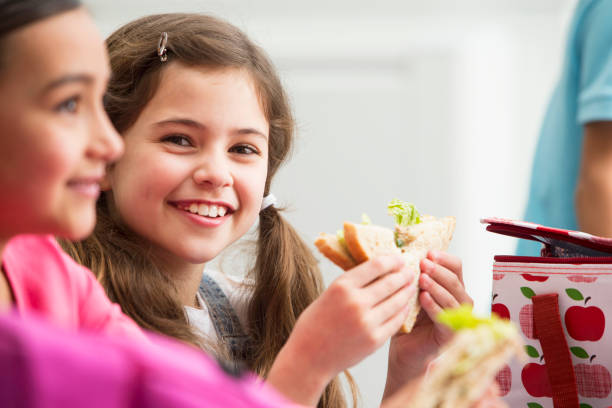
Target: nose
x,y
213,171
106,144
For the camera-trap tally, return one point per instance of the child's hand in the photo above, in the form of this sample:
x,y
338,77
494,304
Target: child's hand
x,y
441,284
404,397
357,313
491,398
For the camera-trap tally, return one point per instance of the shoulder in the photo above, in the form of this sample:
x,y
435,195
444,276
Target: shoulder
x,y
34,255
591,28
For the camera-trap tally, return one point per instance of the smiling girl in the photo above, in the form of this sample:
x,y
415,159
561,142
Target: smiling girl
x,y
206,125
56,141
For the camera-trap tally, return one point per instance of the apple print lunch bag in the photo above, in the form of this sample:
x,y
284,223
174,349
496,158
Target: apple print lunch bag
x,y
562,302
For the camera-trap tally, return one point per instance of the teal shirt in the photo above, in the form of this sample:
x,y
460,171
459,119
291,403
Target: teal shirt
x,y
583,95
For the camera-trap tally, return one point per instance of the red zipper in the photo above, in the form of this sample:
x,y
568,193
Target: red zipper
x,y
553,260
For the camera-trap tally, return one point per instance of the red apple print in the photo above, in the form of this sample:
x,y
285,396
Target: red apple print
x,y
582,278
534,278
526,313
584,323
498,276
500,309
593,380
535,380
504,379
526,321
534,376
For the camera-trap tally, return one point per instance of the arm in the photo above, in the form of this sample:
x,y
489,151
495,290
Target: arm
x,y
42,366
441,284
357,313
594,187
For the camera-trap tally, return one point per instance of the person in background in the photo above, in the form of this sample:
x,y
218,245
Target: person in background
x,y
571,185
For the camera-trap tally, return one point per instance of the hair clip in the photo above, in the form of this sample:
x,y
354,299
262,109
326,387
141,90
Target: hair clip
x,y
161,47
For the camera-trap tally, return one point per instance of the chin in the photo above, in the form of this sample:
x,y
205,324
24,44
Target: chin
x,y
79,229
197,255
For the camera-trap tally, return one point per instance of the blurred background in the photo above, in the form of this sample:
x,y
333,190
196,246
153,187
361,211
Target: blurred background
x,y
436,102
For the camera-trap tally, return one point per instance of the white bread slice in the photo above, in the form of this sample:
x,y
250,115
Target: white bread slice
x,y
333,250
368,241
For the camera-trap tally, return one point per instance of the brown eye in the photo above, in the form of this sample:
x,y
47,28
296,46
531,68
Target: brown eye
x,y
244,149
179,140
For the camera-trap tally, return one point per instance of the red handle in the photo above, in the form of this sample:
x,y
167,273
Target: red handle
x,y
549,330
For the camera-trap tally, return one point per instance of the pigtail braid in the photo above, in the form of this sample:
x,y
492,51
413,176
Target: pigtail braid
x,y
287,280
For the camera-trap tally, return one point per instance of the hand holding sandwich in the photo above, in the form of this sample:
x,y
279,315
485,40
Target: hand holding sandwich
x,y
463,374
441,285
357,313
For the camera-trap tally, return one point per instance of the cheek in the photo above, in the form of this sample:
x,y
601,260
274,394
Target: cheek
x,y
52,161
252,188
143,182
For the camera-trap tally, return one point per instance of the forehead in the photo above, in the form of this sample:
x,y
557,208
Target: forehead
x,y
179,79
66,42
188,89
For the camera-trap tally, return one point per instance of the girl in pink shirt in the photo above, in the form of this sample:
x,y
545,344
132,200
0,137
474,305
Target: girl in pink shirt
x,y
55,142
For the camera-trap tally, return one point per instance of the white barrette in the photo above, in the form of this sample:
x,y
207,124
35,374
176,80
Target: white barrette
x,y
269,200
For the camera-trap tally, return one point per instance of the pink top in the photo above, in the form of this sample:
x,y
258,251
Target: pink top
x,y
47,282
43,367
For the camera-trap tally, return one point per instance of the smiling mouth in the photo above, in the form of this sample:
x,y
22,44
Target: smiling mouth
x,y
205,210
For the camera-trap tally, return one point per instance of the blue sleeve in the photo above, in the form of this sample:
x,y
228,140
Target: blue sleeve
x,y
594,51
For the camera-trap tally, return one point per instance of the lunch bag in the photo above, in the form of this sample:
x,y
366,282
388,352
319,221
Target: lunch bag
x,y
562,302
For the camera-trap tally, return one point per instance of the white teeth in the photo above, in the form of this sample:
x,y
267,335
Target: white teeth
x,y
203,210
213,210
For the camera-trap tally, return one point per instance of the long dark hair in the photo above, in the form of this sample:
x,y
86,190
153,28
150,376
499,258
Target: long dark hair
x,y
15,14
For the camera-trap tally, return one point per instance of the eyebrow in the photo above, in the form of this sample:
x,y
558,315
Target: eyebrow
x,y
67,79
200,126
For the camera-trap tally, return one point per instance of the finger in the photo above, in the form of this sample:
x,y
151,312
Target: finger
x,y
393,305
448,261
438,292
447,280
387,285
429,306
365,273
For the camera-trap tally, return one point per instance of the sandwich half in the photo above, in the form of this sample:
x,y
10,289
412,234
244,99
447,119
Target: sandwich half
x,y
468,363
413,237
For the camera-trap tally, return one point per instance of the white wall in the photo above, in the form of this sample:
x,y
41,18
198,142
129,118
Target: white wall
x,y
437,102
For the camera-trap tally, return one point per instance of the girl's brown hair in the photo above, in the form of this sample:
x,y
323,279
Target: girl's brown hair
x,y
286,275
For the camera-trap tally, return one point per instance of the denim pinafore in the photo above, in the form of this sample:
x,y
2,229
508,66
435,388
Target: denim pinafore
x,y
224,319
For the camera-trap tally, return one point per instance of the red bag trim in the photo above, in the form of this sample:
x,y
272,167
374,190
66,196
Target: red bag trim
x,y
597,243
552,260
549,330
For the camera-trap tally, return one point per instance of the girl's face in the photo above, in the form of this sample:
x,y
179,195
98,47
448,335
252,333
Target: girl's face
x,y
55,138
193,174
